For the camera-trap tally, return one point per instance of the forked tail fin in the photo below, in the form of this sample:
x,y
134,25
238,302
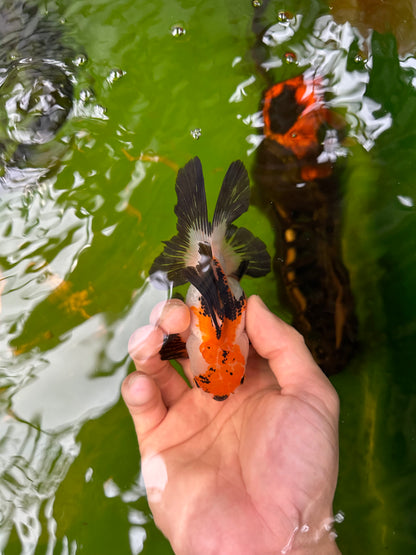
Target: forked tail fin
x,y
178,262
234,197
192,213
191,208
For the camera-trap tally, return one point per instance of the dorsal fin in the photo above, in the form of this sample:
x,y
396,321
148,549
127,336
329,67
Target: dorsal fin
x,y
217,299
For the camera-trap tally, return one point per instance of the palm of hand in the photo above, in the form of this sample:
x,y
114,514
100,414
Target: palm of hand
x,y
242,476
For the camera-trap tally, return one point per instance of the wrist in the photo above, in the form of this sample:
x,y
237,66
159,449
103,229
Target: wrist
x,y
321,541
328,547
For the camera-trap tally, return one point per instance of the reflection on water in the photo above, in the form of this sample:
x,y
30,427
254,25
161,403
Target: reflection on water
x,y
75,250
36,79
370,85
33,464
39,78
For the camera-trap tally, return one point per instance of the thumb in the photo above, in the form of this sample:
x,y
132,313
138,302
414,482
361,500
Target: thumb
x,y
144,401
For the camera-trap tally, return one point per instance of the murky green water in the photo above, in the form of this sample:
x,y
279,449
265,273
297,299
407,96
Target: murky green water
x,y
75,251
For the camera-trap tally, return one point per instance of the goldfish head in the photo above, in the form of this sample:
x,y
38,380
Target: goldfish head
x,y
293,113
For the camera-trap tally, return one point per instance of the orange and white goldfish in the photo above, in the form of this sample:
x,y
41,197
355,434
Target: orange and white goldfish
x,y
212,257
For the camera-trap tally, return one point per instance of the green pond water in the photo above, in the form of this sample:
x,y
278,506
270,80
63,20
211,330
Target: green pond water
x,y
75,251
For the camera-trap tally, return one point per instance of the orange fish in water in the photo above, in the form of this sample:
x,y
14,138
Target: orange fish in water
x,y
299,186
294,115
212,257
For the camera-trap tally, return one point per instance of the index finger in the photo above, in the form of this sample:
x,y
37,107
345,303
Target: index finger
x,y
290,360
146,342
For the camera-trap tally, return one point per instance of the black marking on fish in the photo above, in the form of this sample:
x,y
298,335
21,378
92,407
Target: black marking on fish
x,y
173,348
217,299
203,379
284,111
170,267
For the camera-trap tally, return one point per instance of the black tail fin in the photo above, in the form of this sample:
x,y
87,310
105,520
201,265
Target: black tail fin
x,y
251,250
191,208
182,253
234,197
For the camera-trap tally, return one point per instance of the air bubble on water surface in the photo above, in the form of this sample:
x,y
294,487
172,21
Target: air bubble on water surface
x,y
115,75
196,133
339,517
177,31
283,17
80,60
290,58
256,3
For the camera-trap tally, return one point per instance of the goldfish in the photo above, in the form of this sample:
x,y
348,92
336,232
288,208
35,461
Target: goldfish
x,y
299,185
212,257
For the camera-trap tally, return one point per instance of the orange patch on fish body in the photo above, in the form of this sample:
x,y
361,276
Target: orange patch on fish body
x,y
223,356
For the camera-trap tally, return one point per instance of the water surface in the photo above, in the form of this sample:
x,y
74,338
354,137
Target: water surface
x,y
82,217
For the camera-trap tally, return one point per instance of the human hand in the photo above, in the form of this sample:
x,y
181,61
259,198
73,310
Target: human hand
x,y
255,474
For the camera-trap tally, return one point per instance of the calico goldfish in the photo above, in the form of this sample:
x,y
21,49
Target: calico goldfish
x,y
212,257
